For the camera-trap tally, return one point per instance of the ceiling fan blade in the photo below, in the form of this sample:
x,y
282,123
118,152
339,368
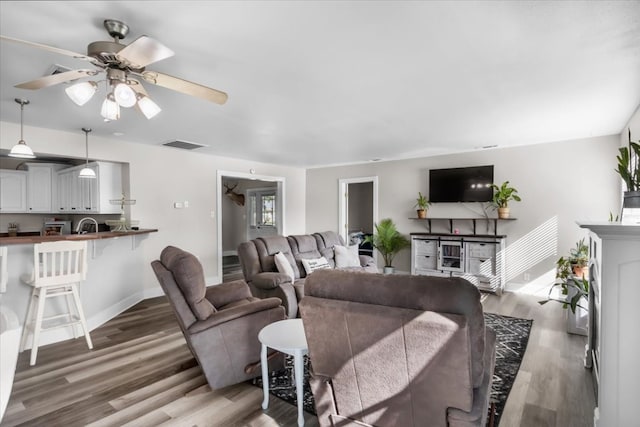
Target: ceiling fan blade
x,y
144,51
49,48
55,79
185,86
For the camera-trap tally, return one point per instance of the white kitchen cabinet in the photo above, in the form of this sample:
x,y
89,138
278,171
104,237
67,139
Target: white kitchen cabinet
x,y
13,191
86,195
41,186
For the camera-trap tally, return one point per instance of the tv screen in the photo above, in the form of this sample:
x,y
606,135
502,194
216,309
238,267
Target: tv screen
x,y
471,184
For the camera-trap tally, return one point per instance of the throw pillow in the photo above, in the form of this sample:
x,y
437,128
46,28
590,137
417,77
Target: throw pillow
x,y
282,263
347,256
311,265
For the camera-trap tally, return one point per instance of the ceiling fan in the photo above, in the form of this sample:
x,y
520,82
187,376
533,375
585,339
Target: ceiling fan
x,y
125,68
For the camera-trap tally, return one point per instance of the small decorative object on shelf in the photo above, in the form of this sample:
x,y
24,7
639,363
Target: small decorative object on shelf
x,y
422,204
121,224
502,196
12,229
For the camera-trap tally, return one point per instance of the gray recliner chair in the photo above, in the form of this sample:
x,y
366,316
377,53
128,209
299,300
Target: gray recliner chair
x,y
220,323
397,350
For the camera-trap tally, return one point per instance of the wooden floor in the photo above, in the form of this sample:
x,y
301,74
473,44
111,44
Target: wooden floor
x,y
140,373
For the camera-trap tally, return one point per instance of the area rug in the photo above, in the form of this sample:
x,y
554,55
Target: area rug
x,y
512,336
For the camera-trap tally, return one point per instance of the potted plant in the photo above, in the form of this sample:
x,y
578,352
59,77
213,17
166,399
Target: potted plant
x,y
422,204
578,258
574,295
629,171
502,196
388,241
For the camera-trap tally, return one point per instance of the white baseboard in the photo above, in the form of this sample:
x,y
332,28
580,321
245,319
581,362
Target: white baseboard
x,y
98,319
229,253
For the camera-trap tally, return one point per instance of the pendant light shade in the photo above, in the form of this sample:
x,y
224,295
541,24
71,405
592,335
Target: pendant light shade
x,y
86,172
81,93
21,149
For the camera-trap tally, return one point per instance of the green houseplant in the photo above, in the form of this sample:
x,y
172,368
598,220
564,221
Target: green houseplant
x,y
502,196
629,170
422,204
574,289
388,241
579,258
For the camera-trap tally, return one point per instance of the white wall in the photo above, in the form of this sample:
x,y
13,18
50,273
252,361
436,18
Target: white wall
x,y
559,183
160,176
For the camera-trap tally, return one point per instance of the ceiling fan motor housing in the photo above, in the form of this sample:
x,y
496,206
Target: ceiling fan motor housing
x,y
105,52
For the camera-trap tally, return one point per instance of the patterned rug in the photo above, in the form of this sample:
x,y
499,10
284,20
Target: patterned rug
x,y
512,338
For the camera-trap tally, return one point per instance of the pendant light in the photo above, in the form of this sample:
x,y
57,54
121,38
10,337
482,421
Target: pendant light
x,y
21,149
87,172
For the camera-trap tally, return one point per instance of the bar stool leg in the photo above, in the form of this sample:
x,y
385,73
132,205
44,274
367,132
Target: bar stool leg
x,y
42,296
28,324
69,300
83,322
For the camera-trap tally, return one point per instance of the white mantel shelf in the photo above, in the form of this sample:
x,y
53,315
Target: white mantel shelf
x,y
612,229
614,343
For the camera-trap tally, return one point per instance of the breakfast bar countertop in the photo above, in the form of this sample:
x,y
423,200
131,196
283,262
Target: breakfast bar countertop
x,y
88,236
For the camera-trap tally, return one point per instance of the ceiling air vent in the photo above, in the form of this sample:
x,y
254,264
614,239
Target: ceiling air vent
x,y
185,145
56,69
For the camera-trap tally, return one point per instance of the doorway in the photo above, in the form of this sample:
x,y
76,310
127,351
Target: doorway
x,y
358,206
248,206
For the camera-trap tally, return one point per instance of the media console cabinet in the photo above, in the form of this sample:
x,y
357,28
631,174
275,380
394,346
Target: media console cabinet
x,y
479,258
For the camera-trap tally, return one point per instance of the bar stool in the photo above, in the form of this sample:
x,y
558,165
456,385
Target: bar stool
x,y
59,267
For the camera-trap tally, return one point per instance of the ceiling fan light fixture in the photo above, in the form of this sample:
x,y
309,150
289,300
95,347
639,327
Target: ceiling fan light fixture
x,y
81,93
149,108
110,108
124,95
21,149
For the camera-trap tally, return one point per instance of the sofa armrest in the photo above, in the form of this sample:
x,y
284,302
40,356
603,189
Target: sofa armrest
x,y
224,293
269,280
482,394
366,261
236,312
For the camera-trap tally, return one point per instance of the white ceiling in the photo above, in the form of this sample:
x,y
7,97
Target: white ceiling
x,y
314,83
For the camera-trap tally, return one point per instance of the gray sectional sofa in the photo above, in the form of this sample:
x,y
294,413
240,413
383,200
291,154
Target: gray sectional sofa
x,y
261,273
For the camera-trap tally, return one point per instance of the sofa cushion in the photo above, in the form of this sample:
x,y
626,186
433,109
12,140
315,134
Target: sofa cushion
x,y
282,263
311,265
268,246
346,256
189,276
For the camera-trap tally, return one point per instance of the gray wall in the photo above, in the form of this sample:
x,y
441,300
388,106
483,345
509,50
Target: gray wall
x,y
559,182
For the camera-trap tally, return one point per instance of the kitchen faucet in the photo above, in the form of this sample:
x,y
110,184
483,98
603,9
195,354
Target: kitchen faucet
x,y
79,226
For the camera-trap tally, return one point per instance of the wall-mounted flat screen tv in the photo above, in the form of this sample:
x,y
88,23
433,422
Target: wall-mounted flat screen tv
x,y
470,184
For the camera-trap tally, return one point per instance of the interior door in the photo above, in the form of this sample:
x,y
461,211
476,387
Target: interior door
x,y
262,213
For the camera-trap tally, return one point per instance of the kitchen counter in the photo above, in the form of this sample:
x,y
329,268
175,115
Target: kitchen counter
x,y
116,269
20,240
